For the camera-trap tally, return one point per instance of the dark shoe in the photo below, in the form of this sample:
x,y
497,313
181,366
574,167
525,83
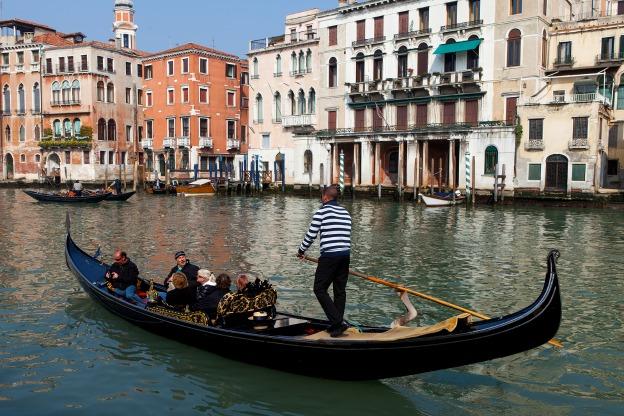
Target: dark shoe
x,y
336,332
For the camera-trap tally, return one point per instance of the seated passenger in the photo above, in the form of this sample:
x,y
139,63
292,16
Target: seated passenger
x,y
180,293
183,265
210,291
122,276
241,282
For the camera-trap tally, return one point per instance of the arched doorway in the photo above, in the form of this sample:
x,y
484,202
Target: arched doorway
x,y
393,166
556,173
161,164
53,165
9,166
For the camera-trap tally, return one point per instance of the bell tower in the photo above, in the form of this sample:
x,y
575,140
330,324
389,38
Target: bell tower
x,y
124,27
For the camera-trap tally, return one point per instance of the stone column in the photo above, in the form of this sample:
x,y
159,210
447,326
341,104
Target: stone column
x,y
355,179
451,169
425,164
417,176
365,164
400,179
377,163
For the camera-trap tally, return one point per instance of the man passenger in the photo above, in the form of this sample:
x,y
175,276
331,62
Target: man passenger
x,y
183,265
123,275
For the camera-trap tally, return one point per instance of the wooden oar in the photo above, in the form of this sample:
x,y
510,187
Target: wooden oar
x,y
400,288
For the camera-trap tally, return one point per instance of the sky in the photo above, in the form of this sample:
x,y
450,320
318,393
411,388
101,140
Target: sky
x,y
227,25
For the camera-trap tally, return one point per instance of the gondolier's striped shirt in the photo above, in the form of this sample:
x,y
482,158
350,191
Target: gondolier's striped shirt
x,y
333,222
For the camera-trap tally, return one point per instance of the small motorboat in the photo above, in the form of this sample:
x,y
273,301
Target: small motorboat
x,y
86,197
442,199
197,188
302,345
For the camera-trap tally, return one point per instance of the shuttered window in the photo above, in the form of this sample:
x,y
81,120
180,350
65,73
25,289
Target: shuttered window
x,y
361,29
378,122
448,113
331,120
401,117
403,22
423,59
579,125
360,116
536,129
421,114
333,35
510,112
379,27
472,112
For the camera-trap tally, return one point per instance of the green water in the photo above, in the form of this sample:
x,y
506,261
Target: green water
x,y
62,354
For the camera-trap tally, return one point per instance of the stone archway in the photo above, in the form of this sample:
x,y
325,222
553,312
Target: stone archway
x,y
53,165
10,167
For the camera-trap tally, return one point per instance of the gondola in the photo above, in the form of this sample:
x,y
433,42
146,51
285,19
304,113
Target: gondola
x,y
287,345
85,198
442,199
120,197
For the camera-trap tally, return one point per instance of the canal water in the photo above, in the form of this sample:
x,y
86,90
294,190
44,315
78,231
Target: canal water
x,y
62,354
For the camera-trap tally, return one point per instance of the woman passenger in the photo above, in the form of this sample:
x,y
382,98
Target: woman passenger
x,y
180,293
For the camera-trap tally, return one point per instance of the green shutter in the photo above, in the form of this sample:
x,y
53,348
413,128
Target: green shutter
x,y
535,171
578,172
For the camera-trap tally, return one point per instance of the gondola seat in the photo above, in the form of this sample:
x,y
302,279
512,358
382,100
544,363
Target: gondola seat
x,y
236,308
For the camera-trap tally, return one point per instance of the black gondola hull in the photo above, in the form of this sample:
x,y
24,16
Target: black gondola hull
x,y
87,198
342,359
121,197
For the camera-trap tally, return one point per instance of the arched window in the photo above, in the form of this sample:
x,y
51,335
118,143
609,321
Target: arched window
x,y
277,107
309,61
514,44
65,86
423,59
6,97
302,62
359,67
37,133
378,65
544,49
491,160
333,73
185,159
450,58
67,128
473,55
100,91
301,102
402,62
278,65
620,94
259,110
7,134
307,162
36,98
77,126
38,158
292,105
112,130
23,158
255,67
312,101
57,128
101,129
22,134
75,91
293,62
110,93
21,100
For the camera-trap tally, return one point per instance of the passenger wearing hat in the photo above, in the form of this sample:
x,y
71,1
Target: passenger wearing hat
x,y
208,293
183,265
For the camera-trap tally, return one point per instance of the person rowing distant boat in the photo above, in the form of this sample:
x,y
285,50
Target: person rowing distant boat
x,y
333,222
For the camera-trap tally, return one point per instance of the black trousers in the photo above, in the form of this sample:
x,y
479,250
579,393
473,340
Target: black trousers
x,y
332,271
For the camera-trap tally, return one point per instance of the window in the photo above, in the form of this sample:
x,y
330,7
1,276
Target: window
x,y
535,171
128,133
111,157
294,64
86,157
422,111
302,62
112,130
259,110
170,68
423,15
403,22
536,129
607,48
36,99
102,157
35,56
70,64
140,97
333,35
422,67
61,64
101,129
474,10
378,117
278,66
185,65
331,120
231,98
360,30
402,62
379,27
230,70
149,99
7,133
170,96
185,94
77,127
579,127
359,67
378,65
514,43
56,92
491,160
66,87
243,135
578,172
301,102
515,6
149,129
186,126
84,63
140,70
231,129
204,127
21,100
100,63
401,117
75,91
451,14
57,128
22,134
128,95
620,94
171,131
149,72
48,65
37,133
612,167
471,115
620,7
308,61
244,78
23,158
6,98
110,67
128,68
472,56
360,119
545,8
203,65
67,128
450,59
544,49
266,141
333,73
126,40
37,158
448,112
203,95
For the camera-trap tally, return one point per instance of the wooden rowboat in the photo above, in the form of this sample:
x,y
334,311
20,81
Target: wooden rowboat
x,y
441,201
301,345
64,198
197,188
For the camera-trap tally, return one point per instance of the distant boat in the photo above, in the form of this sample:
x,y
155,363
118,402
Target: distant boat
x,y
442,199
120,197
197,188
65,198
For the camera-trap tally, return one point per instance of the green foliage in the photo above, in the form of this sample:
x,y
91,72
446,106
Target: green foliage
x,y
66,143
518,131
86,131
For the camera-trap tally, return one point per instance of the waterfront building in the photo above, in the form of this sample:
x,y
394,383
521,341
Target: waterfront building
x,y
285,75
196,111
76,103
572,116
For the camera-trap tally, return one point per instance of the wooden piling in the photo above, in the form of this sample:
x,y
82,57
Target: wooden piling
x,y
474,185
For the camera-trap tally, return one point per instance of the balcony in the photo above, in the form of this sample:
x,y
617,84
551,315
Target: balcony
x,y
564,61
459,26
233,144
277,74
64,103
558,99
205,142
610,57
300,72
184,142
34,67
368,87
19,68
147,144
299,121
370,41
578,144
169,142
294,37
534,144
427,128
5,69
413,34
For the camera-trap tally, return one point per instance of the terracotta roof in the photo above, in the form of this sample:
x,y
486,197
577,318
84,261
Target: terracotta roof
x,y
191,46
52,39
22,22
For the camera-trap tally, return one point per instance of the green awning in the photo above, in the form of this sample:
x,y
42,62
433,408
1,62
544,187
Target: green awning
x,y
463,46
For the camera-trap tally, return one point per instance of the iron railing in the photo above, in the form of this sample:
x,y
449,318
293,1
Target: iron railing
x,y
413,128
412,34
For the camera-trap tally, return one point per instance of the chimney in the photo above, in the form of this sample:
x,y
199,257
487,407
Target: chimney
x,y
342,3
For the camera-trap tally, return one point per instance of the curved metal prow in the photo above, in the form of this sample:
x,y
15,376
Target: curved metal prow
x,y
67,222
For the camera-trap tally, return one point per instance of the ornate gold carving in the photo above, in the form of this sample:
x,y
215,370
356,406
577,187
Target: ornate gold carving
x,y
197,317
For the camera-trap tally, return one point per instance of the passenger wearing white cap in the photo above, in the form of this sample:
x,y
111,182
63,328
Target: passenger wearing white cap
x,y
208,294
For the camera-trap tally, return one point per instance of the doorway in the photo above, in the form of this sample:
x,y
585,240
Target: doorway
x,y
557,173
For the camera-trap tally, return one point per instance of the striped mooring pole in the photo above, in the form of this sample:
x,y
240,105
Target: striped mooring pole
x,y
468,187
341,179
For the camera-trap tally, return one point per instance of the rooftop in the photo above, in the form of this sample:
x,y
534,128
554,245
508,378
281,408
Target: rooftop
x,y
191,47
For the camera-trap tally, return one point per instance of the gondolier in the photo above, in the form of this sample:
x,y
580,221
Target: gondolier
x,y
333,222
